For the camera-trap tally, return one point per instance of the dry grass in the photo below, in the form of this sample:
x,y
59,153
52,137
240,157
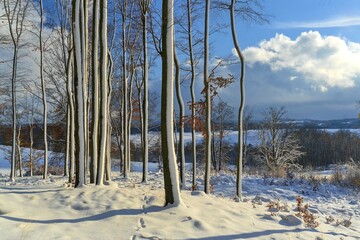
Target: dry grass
x,y
347,176
304,213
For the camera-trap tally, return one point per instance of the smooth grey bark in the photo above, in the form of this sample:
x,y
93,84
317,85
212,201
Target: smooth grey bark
x,y
192,91
109,137
95,92
62,8
18,149
67,144
144,6
171,181
242,102
43,91
104,89
31,134
71,113
85,42
181,145
79,81
207,101
125,95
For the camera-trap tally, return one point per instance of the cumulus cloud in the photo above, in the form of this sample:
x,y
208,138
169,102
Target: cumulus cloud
x,y
322,61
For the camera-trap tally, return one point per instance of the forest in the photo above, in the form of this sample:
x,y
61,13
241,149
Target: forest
x,y
95,122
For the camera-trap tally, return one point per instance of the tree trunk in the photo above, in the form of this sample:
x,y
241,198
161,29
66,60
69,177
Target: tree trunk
x,y
192,91
71,114
180,101
79,81
95,93
18,147
125,94
31,160
85,42
43,90
13,107
103,94
242,103
207,102
145,106
171,181
67,144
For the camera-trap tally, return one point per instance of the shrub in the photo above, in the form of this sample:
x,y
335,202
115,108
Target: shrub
x,y
304,213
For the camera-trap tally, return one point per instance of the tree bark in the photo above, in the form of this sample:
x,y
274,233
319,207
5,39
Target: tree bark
x,y
103,140
79,81
95,92
145,5
242,103
181,148
43,90
207,103
171,181
192,91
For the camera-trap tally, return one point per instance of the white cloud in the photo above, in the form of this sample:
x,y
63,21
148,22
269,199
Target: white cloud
x,y
322,61
328,23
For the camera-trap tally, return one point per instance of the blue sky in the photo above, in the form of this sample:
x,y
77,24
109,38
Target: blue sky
x,y
306,59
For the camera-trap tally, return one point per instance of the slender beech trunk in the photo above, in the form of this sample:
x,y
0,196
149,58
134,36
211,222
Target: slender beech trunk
x,y
85,42
67,144
13,108
180,101
145,106
192,91
43,91
104,89
71,113
171,181
208,102
109,140
63,23
31,160
18,147
15,17
242,103
125,95
95,92
79,81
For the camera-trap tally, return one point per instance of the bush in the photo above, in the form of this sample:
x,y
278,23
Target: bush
x,y
347,175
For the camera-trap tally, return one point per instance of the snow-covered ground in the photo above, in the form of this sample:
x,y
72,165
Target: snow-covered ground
x,y
32,208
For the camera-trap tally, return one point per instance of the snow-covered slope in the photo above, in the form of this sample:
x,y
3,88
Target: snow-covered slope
x,y
33,208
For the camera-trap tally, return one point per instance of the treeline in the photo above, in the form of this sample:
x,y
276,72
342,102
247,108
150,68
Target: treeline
x,y
323,147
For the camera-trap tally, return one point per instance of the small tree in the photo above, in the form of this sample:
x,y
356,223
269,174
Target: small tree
x,y
279,149
222,114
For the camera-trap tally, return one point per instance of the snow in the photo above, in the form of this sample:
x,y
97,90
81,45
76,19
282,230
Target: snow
x,y
33,208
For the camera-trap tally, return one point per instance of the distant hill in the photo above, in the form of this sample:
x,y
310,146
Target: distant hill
x,y
352,123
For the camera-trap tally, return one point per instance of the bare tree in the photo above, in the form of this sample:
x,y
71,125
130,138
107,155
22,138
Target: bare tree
x,y
239,162
171,181
79,28
144,7
104,91
181,145
279,148
15,12
207,101
95,91
222,115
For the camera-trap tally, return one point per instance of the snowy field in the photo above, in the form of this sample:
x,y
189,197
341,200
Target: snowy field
x,y
230,137
32,208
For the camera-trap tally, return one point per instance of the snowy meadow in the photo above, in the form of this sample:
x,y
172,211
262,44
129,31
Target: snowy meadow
x,y
33,208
